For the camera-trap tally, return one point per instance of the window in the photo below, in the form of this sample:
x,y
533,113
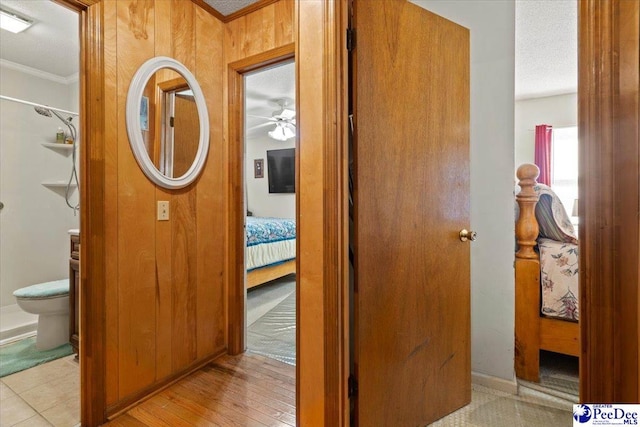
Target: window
x,y
565,166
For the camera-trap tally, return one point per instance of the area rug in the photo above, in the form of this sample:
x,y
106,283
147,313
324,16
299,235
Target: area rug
x,y
274,334
23,355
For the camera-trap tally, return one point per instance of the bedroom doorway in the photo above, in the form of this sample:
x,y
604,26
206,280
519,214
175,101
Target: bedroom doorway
x,y
270,202
546,115
273,111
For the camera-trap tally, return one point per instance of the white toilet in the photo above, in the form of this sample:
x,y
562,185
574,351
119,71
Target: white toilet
x,y
50,301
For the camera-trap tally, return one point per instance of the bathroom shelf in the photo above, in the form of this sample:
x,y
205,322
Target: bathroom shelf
x,y
56,146
56,184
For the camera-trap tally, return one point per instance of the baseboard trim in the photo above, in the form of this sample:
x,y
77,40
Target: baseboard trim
x,y
496,383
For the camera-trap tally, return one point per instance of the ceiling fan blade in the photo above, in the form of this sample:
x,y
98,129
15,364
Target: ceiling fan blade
x,y
288,114
261,117
260,126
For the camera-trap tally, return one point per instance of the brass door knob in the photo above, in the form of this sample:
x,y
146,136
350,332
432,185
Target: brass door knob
x,y
467,235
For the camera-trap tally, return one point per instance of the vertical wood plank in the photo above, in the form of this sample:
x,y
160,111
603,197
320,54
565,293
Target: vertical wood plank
x,y
235,40
136,214
211,306
183,214
253,42
283,26
184,265
111,200
183,32
163,275
268,27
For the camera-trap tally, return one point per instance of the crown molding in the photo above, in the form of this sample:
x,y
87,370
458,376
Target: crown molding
x,y
39,73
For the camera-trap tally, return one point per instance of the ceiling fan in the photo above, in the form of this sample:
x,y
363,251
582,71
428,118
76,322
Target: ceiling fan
x,y
283,119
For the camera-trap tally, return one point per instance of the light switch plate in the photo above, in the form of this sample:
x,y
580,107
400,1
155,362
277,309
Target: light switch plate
x,y
163,211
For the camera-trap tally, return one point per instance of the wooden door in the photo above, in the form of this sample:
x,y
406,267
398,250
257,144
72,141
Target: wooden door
x,y
186,128
410,76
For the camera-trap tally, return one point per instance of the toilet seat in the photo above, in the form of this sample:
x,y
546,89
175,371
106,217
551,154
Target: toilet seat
x,y
54,289
50,301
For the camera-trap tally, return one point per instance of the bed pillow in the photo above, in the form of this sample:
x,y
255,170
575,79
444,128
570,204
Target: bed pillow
x,y
552,216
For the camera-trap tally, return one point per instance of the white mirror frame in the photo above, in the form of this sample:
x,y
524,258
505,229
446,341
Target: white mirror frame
x,y
134,129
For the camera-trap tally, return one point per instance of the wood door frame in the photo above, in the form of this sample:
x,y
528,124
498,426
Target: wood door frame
x,y
237,209
323,267
92,213
608,120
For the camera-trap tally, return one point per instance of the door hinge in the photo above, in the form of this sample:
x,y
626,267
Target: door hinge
x,y
171,121
353,386
351,39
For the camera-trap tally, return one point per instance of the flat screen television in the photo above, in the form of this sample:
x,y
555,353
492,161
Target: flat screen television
x,y
281,168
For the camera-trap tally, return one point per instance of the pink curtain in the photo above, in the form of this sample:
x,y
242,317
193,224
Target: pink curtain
x,y
543,153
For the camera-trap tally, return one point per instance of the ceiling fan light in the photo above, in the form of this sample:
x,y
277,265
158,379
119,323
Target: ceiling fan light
x,y
281,133
288,133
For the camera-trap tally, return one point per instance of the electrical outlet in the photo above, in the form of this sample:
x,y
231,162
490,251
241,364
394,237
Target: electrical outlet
x,y
163,211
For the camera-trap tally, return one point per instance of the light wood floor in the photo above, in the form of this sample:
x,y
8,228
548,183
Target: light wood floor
x,y
245,390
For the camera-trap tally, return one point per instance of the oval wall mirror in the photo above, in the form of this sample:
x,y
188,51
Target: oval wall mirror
x,y
167,122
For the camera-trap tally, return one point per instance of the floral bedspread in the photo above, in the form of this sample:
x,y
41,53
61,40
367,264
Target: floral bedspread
x,y
267,230
559,276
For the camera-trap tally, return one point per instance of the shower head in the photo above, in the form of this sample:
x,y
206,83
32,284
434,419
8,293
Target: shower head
x,y
43,111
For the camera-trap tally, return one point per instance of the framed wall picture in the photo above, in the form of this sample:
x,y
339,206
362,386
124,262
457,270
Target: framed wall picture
x,y
258,168
144,113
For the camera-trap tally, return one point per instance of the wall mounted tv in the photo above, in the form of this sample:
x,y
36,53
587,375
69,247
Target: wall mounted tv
x,y
281,168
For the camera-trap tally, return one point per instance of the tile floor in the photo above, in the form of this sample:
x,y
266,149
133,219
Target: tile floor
x,y
46,395
492,408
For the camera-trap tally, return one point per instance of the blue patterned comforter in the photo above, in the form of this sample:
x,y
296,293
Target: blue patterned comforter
x,y
268,230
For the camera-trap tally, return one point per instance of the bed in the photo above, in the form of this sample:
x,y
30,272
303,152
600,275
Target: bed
x,y
270,249
546,276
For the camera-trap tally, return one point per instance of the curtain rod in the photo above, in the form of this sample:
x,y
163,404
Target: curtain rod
x,y
33,104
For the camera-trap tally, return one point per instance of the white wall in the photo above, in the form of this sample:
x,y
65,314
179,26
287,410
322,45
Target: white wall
x,y
34,244
558,111
259,200
492,25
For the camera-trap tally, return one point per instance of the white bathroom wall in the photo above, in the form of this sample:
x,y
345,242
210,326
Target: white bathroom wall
x,y
558,111
259,200
34,244
492,29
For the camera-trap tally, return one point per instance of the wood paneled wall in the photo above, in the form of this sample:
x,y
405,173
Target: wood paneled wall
x,y
164,281
262,30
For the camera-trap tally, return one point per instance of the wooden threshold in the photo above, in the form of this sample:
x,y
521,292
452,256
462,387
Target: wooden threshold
x,y
247,389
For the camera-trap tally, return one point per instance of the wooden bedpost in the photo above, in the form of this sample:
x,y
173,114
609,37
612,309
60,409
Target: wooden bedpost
x,y
527,270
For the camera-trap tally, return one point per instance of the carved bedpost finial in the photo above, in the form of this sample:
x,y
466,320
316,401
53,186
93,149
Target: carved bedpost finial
x,y
526,226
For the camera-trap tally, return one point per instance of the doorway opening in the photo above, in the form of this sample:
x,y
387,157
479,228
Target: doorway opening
x,y
546,120
270,201
39,213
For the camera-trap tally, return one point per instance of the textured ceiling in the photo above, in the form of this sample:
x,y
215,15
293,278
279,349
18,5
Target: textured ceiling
x,y
227,7
263,89
51,44
546,48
